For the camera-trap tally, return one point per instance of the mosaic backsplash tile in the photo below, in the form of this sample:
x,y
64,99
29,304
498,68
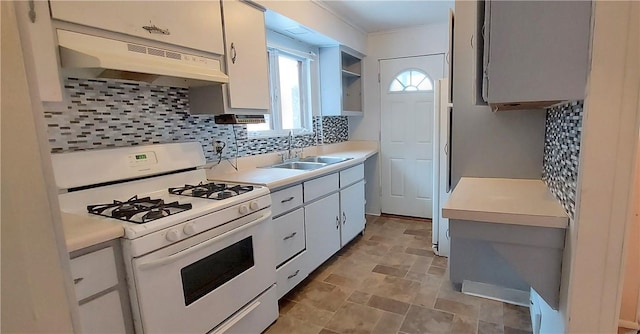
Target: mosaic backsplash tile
x,y
109,113
562,152
334,129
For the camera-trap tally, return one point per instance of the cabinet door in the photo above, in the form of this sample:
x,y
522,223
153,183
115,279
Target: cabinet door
x,y
538,51
352,211
192,24
102,315
322,230
246,53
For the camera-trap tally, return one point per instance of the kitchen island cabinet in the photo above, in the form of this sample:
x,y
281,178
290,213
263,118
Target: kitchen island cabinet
x,y
508,233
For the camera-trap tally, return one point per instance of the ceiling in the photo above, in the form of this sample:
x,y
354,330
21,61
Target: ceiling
x,y
383,15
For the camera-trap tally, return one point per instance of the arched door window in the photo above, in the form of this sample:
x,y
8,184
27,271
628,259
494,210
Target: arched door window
x,y
412,80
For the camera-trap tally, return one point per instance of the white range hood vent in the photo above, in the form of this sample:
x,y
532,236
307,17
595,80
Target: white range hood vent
x,y
88,56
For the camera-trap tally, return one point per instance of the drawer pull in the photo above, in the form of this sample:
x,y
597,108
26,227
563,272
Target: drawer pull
x,y
78,280
337,222
287,200
294,274
290,236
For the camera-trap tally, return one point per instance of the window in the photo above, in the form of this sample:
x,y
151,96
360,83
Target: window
x,y
290,94
411,81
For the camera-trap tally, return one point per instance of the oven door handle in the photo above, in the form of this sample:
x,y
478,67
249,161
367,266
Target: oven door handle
x,y
183,253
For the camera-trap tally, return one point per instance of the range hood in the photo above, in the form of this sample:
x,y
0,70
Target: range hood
x,y
88,56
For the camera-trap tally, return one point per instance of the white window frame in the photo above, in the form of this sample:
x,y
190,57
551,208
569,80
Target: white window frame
x,y
274,87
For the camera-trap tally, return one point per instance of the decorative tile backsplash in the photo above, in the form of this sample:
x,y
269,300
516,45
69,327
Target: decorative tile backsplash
x,y
562,152
334,129
110,113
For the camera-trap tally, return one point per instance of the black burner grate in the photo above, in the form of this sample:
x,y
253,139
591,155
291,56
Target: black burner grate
x,y
217,191
138,210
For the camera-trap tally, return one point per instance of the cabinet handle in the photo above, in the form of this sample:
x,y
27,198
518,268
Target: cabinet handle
x,y
344,218
233,53
290,236
78,280
446,148
287,200
337,222
294,274
153,29
472,41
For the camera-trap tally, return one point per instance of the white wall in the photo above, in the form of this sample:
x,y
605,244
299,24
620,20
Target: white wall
x,y
36,288
313,16
422,40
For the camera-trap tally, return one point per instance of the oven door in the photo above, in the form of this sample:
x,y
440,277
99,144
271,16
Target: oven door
x,y
192,286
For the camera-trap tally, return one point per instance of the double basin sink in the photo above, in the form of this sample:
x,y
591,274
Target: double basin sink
x,y
309,163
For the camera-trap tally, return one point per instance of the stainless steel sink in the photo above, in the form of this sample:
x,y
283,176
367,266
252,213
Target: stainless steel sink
x,y
325,160
303,165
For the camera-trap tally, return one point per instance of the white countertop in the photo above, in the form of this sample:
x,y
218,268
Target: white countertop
x,y
81,232
274,178
507,201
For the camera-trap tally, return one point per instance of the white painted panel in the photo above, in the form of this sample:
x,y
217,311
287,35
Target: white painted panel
x,y
424,179
397,177
424,121
397,119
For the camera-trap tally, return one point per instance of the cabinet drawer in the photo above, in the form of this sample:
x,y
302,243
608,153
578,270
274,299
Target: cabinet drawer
x,y
93,272
291,274
320,187
286,199
351,175
102,315
289,234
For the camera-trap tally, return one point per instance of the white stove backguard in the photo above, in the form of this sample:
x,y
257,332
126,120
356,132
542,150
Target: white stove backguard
x,y
83,168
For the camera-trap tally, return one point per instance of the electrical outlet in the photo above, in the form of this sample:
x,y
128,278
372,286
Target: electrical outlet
x,y
218,146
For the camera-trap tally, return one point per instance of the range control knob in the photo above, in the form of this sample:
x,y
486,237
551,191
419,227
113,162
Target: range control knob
x,y
173,235
189,229
254,206
243,209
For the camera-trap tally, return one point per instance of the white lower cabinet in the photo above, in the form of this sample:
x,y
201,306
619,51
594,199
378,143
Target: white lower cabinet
x,y
352,207
331,215
102,315
291,273
100,290
323,229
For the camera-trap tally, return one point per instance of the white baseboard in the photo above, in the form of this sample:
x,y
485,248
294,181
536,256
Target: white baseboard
x,y
490,291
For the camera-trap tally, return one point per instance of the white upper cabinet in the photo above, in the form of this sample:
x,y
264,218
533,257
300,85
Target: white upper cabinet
x,y
341,82
535,51
246,56
192,24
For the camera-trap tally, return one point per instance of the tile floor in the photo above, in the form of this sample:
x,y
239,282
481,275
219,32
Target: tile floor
x,y
390,281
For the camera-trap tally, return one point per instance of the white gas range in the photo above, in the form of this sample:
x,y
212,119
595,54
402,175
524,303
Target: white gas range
x,y
199,254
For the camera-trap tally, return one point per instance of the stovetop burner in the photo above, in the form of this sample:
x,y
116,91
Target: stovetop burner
x,y
138,210
216,191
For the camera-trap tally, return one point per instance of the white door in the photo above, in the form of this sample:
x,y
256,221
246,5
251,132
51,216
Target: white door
x,y
407,127
322,229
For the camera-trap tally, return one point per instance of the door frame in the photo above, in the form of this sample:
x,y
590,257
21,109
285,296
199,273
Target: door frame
x,y
436,125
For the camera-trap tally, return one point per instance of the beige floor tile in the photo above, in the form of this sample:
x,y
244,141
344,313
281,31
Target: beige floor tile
x,y
354,318
509,330
491,311
388,270
440,261
284,305
489,328
287,325
426,296
390,287
324,296
464,325
465,310
310,314
436,271
388,323
421,320
359,297
517,317
327,331
388,304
